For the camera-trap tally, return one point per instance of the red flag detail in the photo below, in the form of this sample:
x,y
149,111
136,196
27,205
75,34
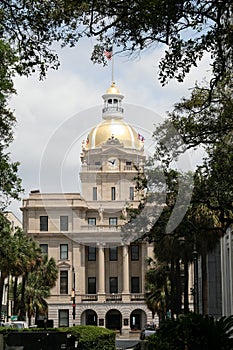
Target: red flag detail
x,y
108,53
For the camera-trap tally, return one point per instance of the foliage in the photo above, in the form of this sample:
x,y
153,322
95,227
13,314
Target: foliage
x,y
37,290
158,289
20,256
188,28
92,337
10,184
196,332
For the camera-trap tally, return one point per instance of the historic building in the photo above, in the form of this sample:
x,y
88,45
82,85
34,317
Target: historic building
x,y
101,272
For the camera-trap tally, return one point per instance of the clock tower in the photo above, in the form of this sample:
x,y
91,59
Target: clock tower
x,y
111,157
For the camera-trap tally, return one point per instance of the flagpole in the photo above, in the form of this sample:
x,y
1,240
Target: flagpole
x,y
112,65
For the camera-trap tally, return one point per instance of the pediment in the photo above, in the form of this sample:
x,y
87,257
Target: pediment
x,y
63,264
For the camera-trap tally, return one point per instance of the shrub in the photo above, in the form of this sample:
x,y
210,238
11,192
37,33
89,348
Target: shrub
x,y
193,332
92,337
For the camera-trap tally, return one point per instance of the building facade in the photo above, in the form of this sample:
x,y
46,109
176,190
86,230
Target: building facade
x,y
101,270
227,272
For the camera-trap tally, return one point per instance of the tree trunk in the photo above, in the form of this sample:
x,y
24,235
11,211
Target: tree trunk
x,y
186,285
204,282
15,302
22,308
172,295
2,280
178,295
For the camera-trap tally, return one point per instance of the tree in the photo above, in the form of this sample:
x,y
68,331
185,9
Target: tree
x,y
39,283
10,184
158,289
188,29
6,253
209,126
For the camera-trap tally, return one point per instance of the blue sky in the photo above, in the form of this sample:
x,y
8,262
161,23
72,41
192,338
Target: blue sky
x,y
68,103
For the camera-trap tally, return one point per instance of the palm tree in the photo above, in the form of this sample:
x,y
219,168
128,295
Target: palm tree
x,y
158,295
33,259
37,289
6,253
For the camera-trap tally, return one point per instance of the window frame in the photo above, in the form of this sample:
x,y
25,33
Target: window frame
x,y
113,193
131,193
91,285
113,253
44,225
66,312
91,221
112,221
45,245
135,284
135,255
64,282
64,223
113,284
65,251
91,253
94,193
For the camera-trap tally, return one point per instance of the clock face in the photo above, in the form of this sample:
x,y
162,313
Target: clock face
x,y
112,163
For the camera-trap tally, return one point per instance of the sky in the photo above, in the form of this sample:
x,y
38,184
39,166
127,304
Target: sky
x,y
55,115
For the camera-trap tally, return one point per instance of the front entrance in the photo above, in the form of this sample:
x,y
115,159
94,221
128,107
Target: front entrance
x,y
137,320
113,320
91,318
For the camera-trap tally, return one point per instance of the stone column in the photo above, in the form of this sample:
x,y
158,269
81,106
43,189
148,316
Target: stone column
x,y
125,272
101,274
142,246
125,292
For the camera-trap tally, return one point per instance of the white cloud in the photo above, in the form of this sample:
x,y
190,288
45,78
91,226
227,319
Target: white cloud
x,y
42,107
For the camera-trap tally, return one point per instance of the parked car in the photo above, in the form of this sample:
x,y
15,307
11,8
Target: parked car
x,y
148,330
16,324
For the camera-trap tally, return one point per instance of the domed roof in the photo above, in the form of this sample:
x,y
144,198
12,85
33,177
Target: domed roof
x,y
113,89
114,128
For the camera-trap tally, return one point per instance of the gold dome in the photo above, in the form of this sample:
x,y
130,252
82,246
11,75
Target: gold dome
x,y
113,89
114,128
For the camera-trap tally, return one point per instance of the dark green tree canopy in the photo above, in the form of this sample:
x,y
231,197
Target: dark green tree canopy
x,y
10,184
188,29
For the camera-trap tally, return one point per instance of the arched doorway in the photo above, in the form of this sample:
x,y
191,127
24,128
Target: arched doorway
x,y
137,319
89,318
114,319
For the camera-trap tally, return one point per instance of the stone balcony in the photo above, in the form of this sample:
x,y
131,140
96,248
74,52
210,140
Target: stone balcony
x,y
110,297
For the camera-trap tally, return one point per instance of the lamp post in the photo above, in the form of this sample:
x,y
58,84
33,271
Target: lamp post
x,y
73,305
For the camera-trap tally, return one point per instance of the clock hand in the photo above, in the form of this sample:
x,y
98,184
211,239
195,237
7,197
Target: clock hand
x,y
112,161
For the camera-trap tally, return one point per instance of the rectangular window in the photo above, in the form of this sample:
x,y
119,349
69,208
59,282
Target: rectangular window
x,y
91,253
63,282
64,251
91,285
43,223
131,193
128,163
63,318
94,189
64,223
44,248
113,193
113,253
113,285
135,285
92,221
113,221
134,252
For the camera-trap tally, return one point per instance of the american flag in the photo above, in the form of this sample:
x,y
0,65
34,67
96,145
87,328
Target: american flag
x,y
108,53
140,137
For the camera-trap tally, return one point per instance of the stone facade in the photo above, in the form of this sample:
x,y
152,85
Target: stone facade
x,y
101,270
